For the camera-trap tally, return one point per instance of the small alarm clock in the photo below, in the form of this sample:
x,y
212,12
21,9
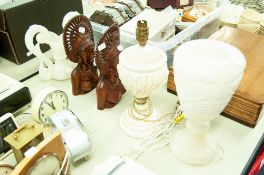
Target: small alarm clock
x,y
75,137
48,102
25,137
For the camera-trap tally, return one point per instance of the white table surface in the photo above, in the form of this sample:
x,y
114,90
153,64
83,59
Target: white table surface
x,y
21,71
238,141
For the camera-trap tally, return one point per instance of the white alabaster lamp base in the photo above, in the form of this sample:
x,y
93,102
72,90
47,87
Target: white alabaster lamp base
x,y
142,69
139,124
137,128
206,73
193,145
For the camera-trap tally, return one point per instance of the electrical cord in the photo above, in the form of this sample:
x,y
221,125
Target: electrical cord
x,y
160,135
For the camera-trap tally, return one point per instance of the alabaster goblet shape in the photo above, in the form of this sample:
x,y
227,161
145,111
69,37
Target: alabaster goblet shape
x,y
206,73
142,69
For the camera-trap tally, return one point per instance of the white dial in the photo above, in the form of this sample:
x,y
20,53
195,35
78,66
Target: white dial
x,y
49,164
6,169
54,102
47,103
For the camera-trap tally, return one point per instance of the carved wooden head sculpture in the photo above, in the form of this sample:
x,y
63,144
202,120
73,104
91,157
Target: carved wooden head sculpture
x,y
78,38
78,42
106,54
109,88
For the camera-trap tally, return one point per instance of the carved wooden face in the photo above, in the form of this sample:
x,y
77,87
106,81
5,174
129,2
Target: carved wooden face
x,y
85,50
88,53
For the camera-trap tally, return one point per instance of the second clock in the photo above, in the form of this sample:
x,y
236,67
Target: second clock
x,y
48,102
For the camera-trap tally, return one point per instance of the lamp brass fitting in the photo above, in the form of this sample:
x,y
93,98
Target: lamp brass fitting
x,y
142,32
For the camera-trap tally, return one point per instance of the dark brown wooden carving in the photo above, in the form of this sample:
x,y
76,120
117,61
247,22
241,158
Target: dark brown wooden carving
x,y
78,42
109,88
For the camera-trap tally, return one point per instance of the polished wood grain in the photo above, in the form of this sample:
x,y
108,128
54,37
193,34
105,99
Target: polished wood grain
x,y
109,89
252,46
78,42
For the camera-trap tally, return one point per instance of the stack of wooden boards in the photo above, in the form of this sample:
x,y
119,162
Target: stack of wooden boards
x,y
247,102
171,87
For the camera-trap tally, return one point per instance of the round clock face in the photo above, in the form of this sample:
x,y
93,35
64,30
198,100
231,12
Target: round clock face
x,y
6,169
49,164
47,103
54,102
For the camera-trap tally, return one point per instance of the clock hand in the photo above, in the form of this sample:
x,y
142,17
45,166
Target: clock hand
x,y
51,105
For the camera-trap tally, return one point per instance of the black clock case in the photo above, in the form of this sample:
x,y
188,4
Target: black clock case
x,y
15,101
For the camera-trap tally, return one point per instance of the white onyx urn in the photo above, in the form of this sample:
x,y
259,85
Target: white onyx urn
x,y
142,69
206,73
